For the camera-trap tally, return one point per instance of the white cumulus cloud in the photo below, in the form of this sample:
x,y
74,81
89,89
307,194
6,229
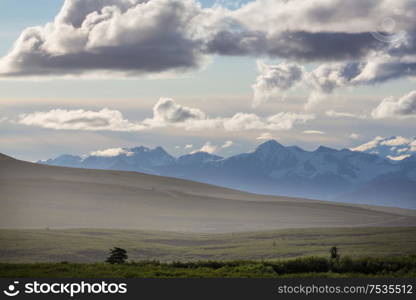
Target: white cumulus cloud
x,y
208,147
59,119
275,80
111,152
404,107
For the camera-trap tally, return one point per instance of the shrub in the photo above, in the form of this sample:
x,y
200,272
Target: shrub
x,y
117,256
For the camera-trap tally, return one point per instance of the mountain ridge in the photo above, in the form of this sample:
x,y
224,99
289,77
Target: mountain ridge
x,y
272,168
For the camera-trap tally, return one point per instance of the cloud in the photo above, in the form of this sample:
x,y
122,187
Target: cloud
x,y
195,119
378,68
208,148
280,121
313,132
327,77
189,146
111,152
326,30
227,144
336,114
166,114
302,30
382,67
130,37
274,80
404,107
354,136
167,111
59,119
140,37
265,136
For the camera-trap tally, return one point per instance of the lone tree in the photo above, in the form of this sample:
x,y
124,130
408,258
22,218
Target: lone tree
x,y
334,253
117,256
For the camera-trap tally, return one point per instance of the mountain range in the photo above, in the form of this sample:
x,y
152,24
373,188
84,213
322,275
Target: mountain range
x,y
324,174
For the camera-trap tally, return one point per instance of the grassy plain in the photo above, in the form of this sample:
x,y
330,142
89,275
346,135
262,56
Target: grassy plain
x,y
404,266
92,245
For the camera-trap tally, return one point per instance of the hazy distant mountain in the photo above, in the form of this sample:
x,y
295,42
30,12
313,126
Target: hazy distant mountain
x,y
272,168
65,160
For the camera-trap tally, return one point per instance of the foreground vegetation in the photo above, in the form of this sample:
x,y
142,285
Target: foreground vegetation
x,y
92,245
300,267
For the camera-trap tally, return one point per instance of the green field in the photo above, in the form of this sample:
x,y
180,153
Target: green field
x,y
301,267
92,245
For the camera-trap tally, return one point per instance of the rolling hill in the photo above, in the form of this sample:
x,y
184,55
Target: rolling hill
x,y
41,196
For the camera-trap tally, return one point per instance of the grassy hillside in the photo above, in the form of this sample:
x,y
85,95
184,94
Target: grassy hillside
x,y
304,267
91,245
38,196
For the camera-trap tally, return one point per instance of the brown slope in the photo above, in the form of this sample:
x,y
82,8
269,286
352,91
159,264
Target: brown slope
x,y
38,196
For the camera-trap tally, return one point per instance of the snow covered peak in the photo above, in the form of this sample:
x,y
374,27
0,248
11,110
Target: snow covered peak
x,y
269,147
394,148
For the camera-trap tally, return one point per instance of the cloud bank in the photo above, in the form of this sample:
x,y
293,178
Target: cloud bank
x,y
166,113
275,81
140,37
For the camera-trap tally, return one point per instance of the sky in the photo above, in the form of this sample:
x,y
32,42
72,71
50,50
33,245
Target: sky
x,y
81,76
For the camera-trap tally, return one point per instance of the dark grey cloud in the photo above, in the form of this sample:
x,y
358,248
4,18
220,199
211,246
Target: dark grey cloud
x,y
88,122
295,45
136,37
74,12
